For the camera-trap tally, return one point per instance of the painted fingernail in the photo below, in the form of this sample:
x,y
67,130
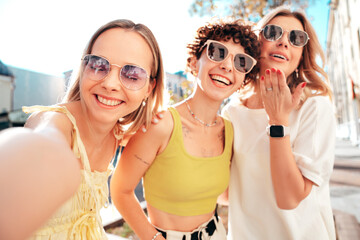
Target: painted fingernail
x,y
161,115
303,84
262,78
156,120
273,69
143,130
278,71
267,71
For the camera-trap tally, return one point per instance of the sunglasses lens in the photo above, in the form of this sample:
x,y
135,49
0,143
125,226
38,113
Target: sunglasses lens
x,y
217,52
272,32
95,67
298,38
243,63
133,77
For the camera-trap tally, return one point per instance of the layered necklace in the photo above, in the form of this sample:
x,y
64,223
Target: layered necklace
x,y
197,119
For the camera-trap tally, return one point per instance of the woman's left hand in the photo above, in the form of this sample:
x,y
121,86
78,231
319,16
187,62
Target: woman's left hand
x,y
277,98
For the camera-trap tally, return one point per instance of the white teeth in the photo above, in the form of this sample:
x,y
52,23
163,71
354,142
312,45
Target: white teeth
x,y
220,79
279,56
107,101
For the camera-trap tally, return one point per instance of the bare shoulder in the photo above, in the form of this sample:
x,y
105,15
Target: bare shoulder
x,y
157,135
164,126
50,122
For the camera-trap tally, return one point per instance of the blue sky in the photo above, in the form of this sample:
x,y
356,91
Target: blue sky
x,y
318,12
48,36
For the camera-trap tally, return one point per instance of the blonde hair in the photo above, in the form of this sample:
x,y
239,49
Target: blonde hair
x,y
308,68
143,114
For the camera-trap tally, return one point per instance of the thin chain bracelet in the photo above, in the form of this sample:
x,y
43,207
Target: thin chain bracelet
x,y
156,235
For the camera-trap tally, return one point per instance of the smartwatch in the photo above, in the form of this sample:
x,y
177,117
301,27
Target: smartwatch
x,y
277,131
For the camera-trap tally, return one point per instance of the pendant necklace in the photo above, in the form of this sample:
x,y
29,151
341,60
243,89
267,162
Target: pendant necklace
x,y
197,119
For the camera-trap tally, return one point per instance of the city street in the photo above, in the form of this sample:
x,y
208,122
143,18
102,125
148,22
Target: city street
x,y
345,189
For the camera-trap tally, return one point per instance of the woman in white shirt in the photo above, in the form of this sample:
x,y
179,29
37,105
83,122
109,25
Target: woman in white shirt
x,y
284,136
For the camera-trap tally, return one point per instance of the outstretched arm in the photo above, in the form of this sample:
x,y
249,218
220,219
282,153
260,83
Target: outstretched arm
x,y
38,173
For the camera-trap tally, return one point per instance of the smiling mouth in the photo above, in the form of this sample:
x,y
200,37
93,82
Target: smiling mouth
x,y
279,56
220,79
108,102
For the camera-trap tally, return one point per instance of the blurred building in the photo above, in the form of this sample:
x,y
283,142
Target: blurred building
x,y
20,87
7,86
178,86
33,88
343,60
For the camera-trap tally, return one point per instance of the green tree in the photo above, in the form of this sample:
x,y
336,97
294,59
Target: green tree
x,y
245,9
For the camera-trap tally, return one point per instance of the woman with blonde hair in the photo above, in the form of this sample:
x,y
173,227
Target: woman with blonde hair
x,y
118,86
284,136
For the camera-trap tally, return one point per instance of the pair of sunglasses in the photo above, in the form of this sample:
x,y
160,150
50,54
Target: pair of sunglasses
x,y
97,68
297,38
218,52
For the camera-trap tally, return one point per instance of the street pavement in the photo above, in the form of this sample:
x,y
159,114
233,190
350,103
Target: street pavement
x,y
345,180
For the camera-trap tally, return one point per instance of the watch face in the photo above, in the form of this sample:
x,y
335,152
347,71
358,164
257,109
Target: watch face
x,y
277,131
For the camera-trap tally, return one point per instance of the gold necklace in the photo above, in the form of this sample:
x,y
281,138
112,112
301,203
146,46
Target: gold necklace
x,y
197,119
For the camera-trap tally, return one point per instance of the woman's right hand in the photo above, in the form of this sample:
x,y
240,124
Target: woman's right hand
x,y
38,173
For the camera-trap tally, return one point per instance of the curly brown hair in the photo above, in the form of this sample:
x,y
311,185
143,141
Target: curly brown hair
x,y
221,30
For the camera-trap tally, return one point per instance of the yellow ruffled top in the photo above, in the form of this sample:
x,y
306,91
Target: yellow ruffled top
x,y
79,217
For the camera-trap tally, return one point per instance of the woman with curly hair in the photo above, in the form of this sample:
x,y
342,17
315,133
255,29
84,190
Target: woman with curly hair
x,y
284,136
185,158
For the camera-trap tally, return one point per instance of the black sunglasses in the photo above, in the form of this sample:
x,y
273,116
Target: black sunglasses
x,y
297,38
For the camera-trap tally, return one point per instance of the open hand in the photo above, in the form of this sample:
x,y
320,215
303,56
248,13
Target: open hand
x,y
276,96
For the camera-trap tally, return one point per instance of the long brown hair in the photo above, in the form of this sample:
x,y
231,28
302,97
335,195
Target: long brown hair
x,y
154,102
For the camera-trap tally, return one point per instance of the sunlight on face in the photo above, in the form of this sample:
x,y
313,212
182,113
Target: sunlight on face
x,y
280,53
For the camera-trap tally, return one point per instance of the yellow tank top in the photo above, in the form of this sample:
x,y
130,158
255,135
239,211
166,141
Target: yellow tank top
x,y
184,185
79,217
